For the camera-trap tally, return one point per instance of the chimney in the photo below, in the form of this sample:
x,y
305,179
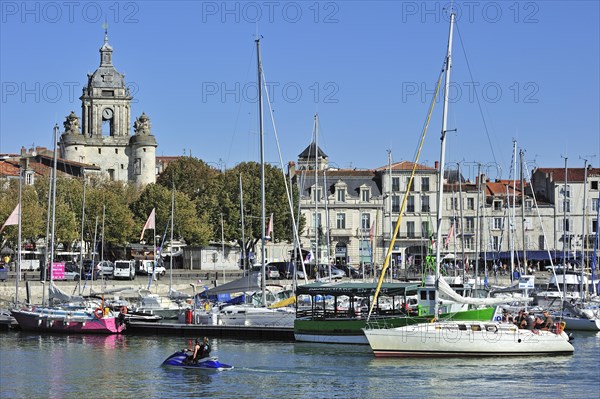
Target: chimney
x,y
23,151
436,165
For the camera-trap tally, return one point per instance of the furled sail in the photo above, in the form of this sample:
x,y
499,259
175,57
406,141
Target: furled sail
x,y
446,290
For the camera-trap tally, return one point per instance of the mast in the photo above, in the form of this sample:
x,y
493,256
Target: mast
x,y
462,230
262,172
583,227
172,222
317,225
81,271
523,211
478,228
565,230
242,219
328,249
53,222
19,237
511,213
438,245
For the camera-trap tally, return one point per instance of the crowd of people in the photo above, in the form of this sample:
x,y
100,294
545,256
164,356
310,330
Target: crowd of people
x,y
530,321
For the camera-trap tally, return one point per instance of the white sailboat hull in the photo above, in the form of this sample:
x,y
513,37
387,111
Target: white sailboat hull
x,y
465,339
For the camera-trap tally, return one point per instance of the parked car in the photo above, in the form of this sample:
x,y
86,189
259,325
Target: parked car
x,y
145,266
350,271
323,272
271,272
104,269
124,269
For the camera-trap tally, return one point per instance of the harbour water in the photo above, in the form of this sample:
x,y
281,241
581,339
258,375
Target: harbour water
x,y
126,366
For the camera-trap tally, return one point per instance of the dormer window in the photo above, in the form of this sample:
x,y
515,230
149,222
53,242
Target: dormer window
x,y
365,195
317,194
341,195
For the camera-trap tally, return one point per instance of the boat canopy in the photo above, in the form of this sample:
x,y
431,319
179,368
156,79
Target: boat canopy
x,y
357,289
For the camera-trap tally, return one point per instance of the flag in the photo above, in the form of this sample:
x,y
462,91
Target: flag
x,y
270,229
13,218
372,233
449,236
309,256
149,223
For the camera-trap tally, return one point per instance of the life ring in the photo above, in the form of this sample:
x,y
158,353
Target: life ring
x,y
98,313
124,309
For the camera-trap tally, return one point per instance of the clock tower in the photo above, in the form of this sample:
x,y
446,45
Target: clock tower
x,y
104,139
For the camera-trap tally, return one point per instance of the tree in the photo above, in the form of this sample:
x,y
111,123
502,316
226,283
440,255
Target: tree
x,y
187,225
276,203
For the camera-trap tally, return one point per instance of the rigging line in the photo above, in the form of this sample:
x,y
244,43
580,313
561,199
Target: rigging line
x,y
487,133
288,190
405,199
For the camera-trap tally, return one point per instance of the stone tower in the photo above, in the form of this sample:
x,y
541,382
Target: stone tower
x,y
104,139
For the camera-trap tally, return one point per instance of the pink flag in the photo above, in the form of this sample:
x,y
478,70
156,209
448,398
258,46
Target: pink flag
x,y
270,229
13,218
449,235
149,223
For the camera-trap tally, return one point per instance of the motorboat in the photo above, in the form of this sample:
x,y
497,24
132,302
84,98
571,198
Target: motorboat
x,y
181,359
81,320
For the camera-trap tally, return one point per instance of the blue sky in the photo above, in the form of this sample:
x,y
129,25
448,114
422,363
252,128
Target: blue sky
x,y
367,67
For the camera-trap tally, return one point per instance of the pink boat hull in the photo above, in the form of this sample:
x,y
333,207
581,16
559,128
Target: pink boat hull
x,y
47,322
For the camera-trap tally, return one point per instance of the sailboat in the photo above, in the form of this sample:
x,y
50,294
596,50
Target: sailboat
x,y
461,338
74,315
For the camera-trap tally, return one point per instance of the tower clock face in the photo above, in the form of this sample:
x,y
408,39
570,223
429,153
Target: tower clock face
x,y
107,113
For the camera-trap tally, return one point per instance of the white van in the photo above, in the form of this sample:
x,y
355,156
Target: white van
x,y
146,267
124,269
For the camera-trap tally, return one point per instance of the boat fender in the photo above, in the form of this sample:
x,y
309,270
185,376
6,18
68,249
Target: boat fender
x,y
498,318
98,313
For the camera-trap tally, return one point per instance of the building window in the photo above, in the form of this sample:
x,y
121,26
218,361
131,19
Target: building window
x,y
497,224
594,226
395,184
317,220
341,221
468,242
365,221
594,184
497,205
365,195
410,206
469,225
395,203
137,166
111,174
29,178
541,242
566,225
116,150
453,203
341,195
317,194
425,203
495,243
471,204
528,204
410,229
412,184
425,184
564,206
99,150
567,191
595,204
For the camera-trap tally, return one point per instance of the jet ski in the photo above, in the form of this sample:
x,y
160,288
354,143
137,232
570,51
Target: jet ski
x,y
181,359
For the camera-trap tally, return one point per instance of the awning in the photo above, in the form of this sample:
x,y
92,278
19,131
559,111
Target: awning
x,y
249,283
